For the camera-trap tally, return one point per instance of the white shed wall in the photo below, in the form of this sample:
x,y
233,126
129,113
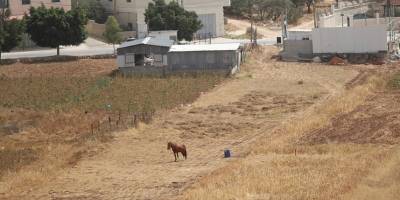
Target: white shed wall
x,y
121,61
299,35
369,39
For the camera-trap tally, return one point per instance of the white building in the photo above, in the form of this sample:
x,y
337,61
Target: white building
x,y
130,14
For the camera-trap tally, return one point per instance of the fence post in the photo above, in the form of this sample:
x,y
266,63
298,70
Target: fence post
x,y
109,122
135,119
98,125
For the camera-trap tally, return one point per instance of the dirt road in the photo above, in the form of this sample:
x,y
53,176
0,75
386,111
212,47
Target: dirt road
x,y
137,165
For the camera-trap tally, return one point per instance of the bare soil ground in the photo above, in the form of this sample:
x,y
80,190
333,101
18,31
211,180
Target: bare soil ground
x,y
79,68
137,165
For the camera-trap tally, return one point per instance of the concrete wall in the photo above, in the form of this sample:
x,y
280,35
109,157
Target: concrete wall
x,y
295,49
96,30
348,9
376,21
327,21
370,39
299,35
133,12
165,35
18,9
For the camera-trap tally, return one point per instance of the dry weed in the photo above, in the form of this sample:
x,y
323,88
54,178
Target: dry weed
x,y
279,168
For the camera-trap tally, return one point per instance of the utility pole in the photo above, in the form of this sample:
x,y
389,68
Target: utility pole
x,y
251,21
2,19
114,7
314,14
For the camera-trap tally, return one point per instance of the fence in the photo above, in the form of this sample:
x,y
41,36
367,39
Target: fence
x,y
120,121
96,30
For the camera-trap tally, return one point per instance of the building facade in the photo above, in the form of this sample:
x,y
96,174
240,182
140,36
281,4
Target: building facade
x,y
130,14
18,8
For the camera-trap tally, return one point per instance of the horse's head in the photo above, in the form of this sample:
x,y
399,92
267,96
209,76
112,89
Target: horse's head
x,y
169,146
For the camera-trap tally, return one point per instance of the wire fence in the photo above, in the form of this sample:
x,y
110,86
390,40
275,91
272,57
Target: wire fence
x,y
120,121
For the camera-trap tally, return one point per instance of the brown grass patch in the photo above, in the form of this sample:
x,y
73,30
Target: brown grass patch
x,y
281,167
79,68
49,112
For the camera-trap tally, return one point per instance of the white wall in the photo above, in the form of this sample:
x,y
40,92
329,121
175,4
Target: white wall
x,y
299,35
164,35
348,9
121,61
375,21
369,39
133,12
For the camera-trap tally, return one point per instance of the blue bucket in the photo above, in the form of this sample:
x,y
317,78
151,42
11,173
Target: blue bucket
x,y
227,153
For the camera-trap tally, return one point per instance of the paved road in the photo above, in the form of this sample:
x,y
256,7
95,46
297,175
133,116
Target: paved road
x,y
88,48
94,47
71,51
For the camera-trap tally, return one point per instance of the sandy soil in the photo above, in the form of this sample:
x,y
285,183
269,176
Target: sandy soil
x,y
137,165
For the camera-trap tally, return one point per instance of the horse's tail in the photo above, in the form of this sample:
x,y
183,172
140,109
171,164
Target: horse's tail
x,y
184,151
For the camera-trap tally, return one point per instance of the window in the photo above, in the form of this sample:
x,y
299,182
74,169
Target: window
x,y
26,2
3,3
130,59
174,38
130,26
128,1
55,1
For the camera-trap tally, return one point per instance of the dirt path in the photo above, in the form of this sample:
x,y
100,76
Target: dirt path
x,y
137,164
239,27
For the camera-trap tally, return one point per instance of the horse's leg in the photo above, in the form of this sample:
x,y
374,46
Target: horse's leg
x,y
184,155
175,156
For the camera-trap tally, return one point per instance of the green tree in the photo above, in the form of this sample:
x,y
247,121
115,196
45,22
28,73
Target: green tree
x,y
11,31
94,10
112,33
238,7
52,27
171,16
309,3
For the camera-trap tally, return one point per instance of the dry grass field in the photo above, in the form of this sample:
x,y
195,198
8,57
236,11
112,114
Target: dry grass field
x,y
47,112
346,148
135,164
296,131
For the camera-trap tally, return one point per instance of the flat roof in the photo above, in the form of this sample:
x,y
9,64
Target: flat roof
x,y
205,47
148,41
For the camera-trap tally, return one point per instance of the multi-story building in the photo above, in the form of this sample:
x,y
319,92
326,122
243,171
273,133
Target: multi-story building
x,y
19,7
130,14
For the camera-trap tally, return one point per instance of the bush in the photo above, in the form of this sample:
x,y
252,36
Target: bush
x,y
294,15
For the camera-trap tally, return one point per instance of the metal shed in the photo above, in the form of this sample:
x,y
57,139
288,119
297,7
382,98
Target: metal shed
x,y
148,51
210,57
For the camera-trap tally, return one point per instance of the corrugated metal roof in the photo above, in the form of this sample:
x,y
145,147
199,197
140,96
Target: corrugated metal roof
x,y
205,47
148,41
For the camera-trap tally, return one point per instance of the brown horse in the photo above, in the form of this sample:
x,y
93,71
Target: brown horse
x,y
176,149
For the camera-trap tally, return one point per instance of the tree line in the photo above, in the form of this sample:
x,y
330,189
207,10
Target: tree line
x,y
55,27
269,9
47,27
